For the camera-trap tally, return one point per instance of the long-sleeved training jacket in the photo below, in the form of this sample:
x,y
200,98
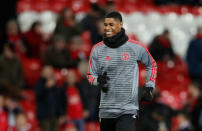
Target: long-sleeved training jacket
x,y
121,65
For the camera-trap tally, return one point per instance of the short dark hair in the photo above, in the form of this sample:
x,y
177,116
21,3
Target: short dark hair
x,y
115,15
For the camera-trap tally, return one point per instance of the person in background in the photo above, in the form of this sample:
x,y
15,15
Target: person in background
x,y
109,7
14,36
67,25
3,114
48,101
6,14
74,105
184,121
161,47
194,57
13,109
35,40
57,54
195,105
11,76
155,117
21,122
77,49
90,95
89,23
194,93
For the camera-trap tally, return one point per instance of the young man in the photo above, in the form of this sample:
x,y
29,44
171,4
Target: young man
x,y
113,67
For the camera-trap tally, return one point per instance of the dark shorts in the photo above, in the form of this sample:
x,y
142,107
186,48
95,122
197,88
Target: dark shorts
x,y
123,123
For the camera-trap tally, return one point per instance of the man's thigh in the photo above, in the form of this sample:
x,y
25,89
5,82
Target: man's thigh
x,y
107,124
125,123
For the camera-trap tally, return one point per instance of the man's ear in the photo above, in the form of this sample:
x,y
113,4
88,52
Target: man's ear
x,y
121,24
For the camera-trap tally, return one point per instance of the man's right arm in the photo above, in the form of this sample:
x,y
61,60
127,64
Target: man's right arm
x,y
92,74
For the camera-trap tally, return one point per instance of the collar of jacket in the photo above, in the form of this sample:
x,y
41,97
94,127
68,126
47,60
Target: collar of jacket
x,y
117,40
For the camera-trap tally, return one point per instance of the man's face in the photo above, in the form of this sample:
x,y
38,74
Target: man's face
x,y
112,26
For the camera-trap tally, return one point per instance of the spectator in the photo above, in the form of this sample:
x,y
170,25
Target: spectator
x,y
6,13
197,115
35,40
155,117
194,94
13,109
194,57
3,115
161,47
195,105
66,25
109,7
14,36
57,54
90,95
89,23
77,49
11,76
48,104
21,122
75,111
184,121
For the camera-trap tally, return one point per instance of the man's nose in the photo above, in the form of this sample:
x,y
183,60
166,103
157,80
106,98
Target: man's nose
x,y
107,27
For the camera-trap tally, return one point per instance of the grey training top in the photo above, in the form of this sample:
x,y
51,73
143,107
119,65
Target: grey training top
x,y
121,65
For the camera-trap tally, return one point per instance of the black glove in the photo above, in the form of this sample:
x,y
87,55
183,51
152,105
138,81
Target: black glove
x,y
102,80
145,94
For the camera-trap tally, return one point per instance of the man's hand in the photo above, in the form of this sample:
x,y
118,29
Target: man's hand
x,y
102,80
145,94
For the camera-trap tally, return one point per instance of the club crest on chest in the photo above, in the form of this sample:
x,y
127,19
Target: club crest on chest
x,y
125,56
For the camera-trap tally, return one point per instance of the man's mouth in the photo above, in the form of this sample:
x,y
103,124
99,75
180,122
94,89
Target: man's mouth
x,y
108,32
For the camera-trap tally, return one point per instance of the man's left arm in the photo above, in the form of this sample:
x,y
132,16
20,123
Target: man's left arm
x,y
151,68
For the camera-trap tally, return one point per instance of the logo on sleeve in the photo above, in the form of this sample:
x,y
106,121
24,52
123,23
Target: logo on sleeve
x,y
125,56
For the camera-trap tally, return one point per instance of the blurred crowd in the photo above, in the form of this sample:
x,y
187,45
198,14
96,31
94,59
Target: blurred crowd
x,y
69,104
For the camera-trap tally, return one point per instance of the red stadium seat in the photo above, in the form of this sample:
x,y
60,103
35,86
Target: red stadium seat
x,y
57,6
41,6
25,6
80,5
31,71
29,95
92,126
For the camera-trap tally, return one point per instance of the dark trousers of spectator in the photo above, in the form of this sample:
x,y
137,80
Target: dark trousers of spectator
x,y
79,124
49,124
122,123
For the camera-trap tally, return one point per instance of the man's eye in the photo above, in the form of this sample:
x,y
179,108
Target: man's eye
x,y
111,24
